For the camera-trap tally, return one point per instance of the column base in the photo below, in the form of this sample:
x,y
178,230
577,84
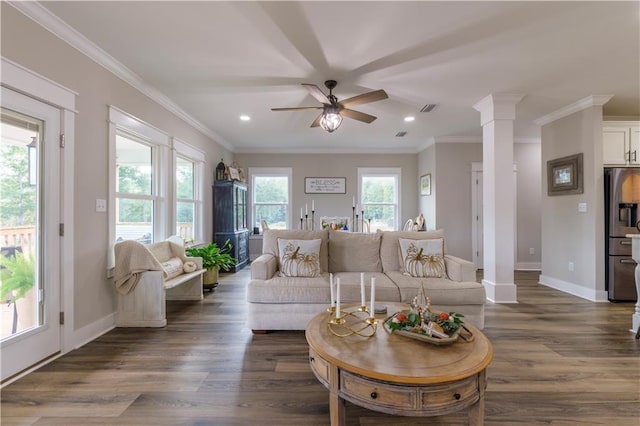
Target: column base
x,y
501,292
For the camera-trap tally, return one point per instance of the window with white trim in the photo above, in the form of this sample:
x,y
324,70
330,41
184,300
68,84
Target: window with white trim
x,y
379,189
188,173
138,174
271,197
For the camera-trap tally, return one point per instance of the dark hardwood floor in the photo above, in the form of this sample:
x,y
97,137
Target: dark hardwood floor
x,y
559,360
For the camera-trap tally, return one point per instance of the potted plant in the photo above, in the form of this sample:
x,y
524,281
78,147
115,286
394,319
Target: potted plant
x,y
17,278
214,259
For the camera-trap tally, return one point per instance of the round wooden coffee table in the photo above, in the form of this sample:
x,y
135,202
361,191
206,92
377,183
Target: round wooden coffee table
x,y
397,375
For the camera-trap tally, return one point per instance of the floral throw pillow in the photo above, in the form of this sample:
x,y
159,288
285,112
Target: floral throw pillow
x,y
422,258
299,258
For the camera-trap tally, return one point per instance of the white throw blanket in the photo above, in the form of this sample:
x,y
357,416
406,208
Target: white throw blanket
x,y
132,259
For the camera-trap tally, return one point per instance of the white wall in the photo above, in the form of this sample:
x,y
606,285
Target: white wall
x,y
427,203
567,235
338,165
29,45
450,165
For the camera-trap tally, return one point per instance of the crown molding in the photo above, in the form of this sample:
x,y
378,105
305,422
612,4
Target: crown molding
x,y
52,23
324,151
584,103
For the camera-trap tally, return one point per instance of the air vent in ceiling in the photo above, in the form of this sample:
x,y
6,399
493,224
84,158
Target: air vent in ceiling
x,y
400,134
428,107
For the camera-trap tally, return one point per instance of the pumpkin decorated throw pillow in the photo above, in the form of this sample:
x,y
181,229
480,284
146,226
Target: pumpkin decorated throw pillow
x,y
422,258
299,258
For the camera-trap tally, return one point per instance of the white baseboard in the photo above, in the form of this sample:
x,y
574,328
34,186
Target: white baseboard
x,y
501,292
528,266
571,288
91,331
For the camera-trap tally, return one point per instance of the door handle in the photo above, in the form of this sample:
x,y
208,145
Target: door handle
x,y
634,155
628,261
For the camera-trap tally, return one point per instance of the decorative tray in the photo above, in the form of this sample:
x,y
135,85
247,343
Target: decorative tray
x,y
423,337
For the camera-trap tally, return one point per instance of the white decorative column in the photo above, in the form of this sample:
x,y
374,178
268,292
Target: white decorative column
x,y
497,113
635,254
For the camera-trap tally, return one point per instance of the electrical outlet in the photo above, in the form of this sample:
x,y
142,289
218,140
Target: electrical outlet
x,y
532,250
570,266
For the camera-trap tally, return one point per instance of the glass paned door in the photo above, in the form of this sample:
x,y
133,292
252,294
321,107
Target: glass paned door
x,y
29,241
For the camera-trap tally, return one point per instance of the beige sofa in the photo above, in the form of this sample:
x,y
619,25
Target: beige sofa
x,y
288,303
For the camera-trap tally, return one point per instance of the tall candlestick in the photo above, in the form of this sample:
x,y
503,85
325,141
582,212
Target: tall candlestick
x,y
362,289
333,300
373,296
338,315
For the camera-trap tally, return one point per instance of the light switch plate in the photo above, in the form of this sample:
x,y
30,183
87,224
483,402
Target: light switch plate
x,y
582,207
101,205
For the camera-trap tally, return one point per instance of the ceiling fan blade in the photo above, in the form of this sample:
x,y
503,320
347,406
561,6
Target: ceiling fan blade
x,y
365,98
295,108
316,93
316,122
357,115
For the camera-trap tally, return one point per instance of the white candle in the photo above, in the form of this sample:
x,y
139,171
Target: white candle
x,y
306,209
373,296
333,300
354,202
362,289
313,205
300,212
356,209
338,298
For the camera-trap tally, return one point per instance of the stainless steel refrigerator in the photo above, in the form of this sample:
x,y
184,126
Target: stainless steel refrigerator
x,y
622,199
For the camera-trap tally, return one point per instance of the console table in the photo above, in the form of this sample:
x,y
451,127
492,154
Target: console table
x,y
400,376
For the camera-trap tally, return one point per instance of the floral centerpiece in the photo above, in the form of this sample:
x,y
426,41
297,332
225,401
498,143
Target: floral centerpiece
x,y
421,323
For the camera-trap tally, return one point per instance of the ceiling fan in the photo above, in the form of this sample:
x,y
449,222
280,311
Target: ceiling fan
x,y
333,111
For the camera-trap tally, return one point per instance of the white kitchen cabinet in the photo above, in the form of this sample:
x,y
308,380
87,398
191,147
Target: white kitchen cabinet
x,y
621,143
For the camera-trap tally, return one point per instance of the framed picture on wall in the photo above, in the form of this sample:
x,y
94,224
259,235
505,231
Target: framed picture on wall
x,y
425,184
564,175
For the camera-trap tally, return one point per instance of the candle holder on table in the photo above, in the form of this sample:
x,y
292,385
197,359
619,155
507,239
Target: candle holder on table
x,y
352,321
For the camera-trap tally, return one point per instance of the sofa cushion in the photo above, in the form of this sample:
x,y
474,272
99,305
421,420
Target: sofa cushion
x,y
354,252
295,290
270,242
441,291
299,258
161,250
422,258
390,247
386,290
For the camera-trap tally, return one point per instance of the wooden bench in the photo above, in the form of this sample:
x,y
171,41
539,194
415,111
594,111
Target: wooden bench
x,y
145,304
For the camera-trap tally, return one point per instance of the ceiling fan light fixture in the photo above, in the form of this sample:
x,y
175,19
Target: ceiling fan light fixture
x,y
331,118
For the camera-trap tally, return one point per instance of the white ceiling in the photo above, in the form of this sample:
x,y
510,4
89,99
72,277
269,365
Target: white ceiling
x,y
219,60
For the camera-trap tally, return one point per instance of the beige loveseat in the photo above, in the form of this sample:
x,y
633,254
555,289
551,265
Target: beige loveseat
x,y
288,303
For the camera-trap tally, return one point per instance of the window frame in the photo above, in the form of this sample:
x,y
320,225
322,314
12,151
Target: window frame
x,y
181,149
271,172
395,172
128,125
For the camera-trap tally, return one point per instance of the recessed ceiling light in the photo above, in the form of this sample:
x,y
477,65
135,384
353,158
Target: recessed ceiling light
x,y
409,118
245,118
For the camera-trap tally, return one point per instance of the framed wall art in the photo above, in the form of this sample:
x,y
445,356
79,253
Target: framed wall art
x,y
325,185
564,175
425,184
